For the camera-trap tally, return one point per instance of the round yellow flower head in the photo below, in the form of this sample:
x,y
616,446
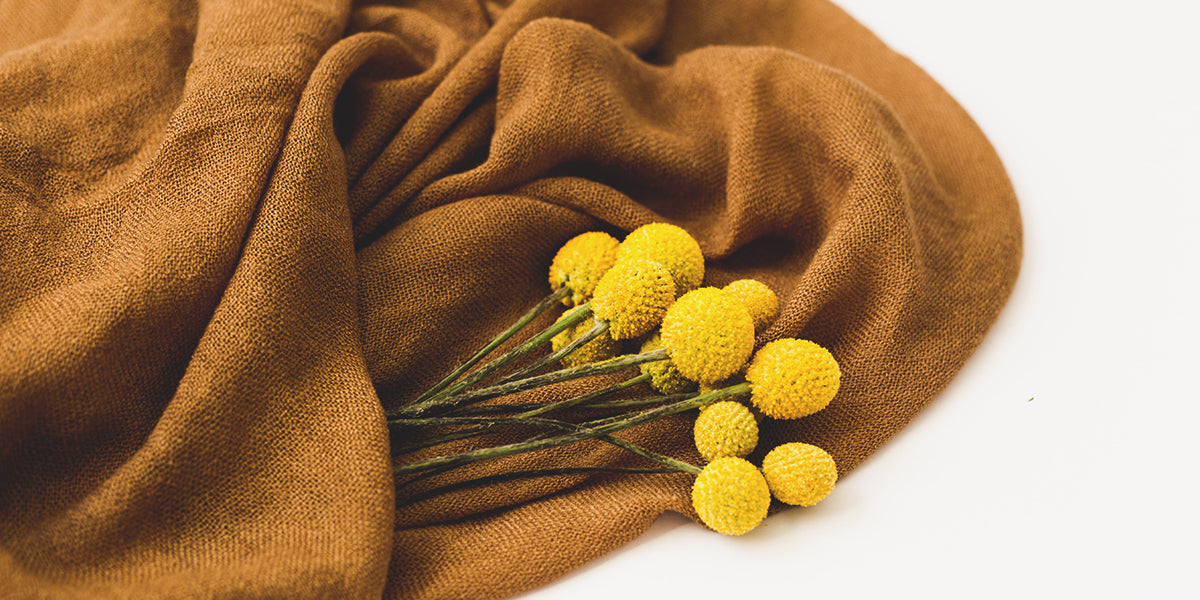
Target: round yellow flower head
x,y
601,348
725,429
759,300
800,474
664,377
633,296
731,496
669,246
708,334
791,378
580,264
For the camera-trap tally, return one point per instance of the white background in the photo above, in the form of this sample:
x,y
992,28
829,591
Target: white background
x,y
1089,489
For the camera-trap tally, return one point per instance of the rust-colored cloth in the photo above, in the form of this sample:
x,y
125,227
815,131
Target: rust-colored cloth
x,y
233,231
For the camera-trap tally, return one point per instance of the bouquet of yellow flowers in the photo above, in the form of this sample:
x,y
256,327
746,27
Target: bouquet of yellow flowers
x,y
696,352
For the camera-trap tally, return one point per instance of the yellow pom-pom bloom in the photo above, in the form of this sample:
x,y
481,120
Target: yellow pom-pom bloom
x,y
664,377
601,348
580,264
725,429
759,300
731,496
799,474
708,334
791,378
633,296
669,246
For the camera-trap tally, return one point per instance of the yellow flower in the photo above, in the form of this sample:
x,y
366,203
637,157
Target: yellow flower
x,y
725,429
633,296
791,378
671,247
708,334
800,474
601,348
759,300
580,264
731,496
664,377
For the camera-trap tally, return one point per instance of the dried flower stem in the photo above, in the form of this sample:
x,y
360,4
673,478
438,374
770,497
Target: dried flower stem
x,y
552,300
441,405
588,430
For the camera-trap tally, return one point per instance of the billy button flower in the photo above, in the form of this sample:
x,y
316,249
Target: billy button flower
x,y
757,298
603,347
633,297
664,377
669,246
731,496
574,272
629,301
799,474
792,378
580,263
708,335
725,428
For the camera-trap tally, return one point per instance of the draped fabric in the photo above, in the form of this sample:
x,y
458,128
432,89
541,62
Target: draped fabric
x,y
233,232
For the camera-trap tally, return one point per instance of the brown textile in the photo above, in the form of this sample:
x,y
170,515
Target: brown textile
x,y
232,229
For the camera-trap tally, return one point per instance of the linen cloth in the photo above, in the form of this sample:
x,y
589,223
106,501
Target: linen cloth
x,y
233,231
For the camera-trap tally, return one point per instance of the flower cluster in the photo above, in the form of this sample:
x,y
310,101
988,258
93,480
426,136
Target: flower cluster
x,y
696,351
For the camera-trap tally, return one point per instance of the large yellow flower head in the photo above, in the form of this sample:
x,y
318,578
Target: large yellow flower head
x,y
791,378
759,300
580,264
708,334
731,496
800,474
664,377
725,429
669,246
601,348
633,296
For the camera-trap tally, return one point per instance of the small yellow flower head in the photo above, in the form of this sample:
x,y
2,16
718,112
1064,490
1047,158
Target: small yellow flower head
x,y
725,429
633,296
664,377
759,300
791,378
708,334
601,348
800,474
580,264
731,496
671,247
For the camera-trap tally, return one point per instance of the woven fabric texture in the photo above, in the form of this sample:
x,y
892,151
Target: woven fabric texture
x,y
233,232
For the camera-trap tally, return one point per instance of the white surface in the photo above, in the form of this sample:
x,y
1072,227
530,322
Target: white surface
x,y
1089,489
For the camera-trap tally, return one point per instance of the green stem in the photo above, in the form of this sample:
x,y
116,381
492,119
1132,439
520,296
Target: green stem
x,y
585,310
512,387
530,410
553,299
531,474
561,425
586,431
596,331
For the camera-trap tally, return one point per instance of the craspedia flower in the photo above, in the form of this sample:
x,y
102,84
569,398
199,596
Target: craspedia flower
x,y
725,429
791,378
731,496
633,296
799,474
708,334
601,348
669,246
580,264
664,377
759,300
